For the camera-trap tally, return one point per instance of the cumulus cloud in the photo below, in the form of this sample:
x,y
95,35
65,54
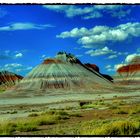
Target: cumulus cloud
x,y
44,56
16,67
112,56
102,51
7,54
75,33
88,12
114,68
121,14
103,34
93,15
117,66
133,57
24,26
70,10
105,51
116,54
79,55
108,66
18,55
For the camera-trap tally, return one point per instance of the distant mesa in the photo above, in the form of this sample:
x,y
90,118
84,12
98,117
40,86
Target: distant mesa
x,y
8,79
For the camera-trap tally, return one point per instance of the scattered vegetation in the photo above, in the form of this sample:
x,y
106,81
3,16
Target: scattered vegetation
x,y
134,110
121,111
117,127
82,103
110,121
33,115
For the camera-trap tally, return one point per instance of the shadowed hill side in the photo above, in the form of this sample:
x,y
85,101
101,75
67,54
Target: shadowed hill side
x,y
96,68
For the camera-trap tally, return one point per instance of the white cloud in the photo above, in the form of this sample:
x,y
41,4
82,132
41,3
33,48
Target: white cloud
x,y
108,66
16,67
24,26
74,33
98,52
130,57
93,15
114,68
105,51
112,56
88,12
122,53
7,54
103,34
79,55
13,65
18,55
121,14
70,10
28,68
108,7
117,66
44,56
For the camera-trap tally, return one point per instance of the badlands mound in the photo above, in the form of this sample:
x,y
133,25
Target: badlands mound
x,y
8,79
63,73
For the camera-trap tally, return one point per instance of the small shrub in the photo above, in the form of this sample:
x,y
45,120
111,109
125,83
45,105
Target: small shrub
x,y
89,106
115,96
26,127
33,110
7,129
120,111
33,115
63,117
14,112
81,103
50,112
46,120
61,113
134,110
114,107
76,115
118,128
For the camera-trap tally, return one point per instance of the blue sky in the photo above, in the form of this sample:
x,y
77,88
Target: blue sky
x,y
106,35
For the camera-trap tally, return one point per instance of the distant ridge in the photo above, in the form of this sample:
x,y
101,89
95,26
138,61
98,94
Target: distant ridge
x,y
8,79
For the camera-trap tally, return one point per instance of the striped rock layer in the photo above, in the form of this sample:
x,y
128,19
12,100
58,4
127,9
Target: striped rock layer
x,y
8,79
63,72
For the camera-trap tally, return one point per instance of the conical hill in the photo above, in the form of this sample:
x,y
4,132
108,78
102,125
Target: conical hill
x,y
64,71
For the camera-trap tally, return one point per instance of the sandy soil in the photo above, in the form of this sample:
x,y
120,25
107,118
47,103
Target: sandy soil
x,y
11,108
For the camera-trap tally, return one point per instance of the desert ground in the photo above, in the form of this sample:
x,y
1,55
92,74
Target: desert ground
x,y
106,111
